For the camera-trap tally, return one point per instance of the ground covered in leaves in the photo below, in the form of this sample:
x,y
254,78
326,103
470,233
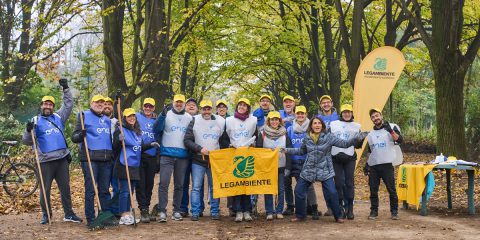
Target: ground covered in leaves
x,y
19,218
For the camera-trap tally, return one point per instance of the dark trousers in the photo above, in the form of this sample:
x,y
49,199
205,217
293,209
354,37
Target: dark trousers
x,y
242,203
148,168
386,173
329,193
124,203
58,170
102,174
345,179
289,196
186,187
115,193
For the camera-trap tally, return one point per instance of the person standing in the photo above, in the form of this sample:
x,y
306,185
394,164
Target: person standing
x,y
288,112
99,140
222,108
345,159
327,112
262,112
381,142
53,152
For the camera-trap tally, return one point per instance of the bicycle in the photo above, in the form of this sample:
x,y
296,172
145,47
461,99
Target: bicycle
x,y
20,179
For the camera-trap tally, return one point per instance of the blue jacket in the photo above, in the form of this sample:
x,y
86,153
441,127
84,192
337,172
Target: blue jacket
x,y
330,118
260,116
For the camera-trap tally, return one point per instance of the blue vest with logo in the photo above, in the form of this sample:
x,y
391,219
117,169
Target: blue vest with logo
x,y
146,125
98,131
328,119
297,141
50,138
133,147
287,119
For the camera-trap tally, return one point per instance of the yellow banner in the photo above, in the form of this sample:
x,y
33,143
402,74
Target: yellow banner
x,y
411,182
237,171
376,77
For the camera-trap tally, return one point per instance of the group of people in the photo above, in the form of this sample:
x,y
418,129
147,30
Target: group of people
x,y
177,143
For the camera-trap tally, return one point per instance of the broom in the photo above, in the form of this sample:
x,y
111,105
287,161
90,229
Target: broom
x,y
104,218
41,176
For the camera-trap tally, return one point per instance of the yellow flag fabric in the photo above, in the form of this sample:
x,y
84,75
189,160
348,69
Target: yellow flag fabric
x,y
376,77
411,182
244,170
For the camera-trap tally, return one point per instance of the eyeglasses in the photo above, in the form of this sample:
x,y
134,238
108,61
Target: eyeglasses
x,y
148,106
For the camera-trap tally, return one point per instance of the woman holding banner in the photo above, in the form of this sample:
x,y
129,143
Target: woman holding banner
x,y
319,167
240,131
274,135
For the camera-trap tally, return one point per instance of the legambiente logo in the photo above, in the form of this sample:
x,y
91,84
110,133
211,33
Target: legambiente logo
x,y
380,64
244,166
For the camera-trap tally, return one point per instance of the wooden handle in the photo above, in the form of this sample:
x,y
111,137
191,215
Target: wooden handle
x,y
41,176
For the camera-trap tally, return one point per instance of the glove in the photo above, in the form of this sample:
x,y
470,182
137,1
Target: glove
x,y
366,169
167,108
387,127
83,133
287,172
362,136
118,95
155,144
30,126
64,83
121,137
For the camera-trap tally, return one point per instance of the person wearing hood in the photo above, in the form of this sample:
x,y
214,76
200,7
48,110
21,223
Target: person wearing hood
x,y
327,112
288,112
344,160
240,131
319,167
202,136
274,135
134,147
148,166
296,134
262,112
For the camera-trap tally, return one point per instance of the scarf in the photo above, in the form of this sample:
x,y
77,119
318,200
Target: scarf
x,y
274,133
297,128
240,116
314,136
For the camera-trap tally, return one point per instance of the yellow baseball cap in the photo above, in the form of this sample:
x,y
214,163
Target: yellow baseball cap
x,y
150,101
264,96
373,110
48,98
128,111
97,98
107,99
206,103
300,109
179,97
221,101
273,114
346,107
325,96
288,97
246,101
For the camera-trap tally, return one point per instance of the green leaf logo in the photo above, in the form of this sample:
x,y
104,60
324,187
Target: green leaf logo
x,y
404,175
244,166
380,64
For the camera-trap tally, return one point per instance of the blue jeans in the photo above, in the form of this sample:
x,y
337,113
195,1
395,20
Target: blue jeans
x,y
281,196
186,186
329,192
198,173
124,196
102,174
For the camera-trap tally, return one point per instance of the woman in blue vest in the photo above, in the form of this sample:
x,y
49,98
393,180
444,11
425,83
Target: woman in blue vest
x,y
319,167
240,131
344,160
274,135
132,136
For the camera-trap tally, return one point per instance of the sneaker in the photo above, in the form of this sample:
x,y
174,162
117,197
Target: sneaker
x,y
315,213
247,216
126,220
72,218
239,217
177,216
395,216
154,213
201,214
194,218
152,217
340,220
215,217
279,216
269,217
373,215
289,211
297,219
162,217
184,214
44,219
144,218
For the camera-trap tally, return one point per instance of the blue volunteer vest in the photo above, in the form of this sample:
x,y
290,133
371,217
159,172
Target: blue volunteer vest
x,y
133,147
297,141
49,137
98,131
330,118
146,125
284,115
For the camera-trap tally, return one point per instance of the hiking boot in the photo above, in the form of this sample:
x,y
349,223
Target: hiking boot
x,y
350,215
194,218
279,216
44,219
395,216
154,213
373,215
184,214
72,218
315,213
215,217
177,216
247,216
239,217
328,212
144,218
162,217
289,211
269,217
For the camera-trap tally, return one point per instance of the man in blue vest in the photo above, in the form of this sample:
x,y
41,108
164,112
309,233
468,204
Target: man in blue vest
x,y
327,111
262,112
170,128
99,141
53,151
148,165
288,114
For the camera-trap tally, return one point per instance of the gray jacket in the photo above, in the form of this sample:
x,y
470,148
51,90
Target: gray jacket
x,y
64,112
318,165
